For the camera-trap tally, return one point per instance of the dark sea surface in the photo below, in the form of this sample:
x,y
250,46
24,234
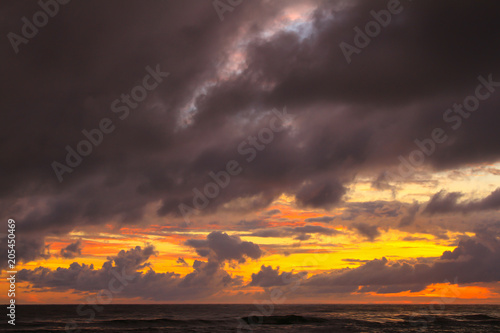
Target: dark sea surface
x,y
248,318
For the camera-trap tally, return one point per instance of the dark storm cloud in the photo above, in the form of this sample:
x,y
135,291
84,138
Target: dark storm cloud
x,y
72,250
320,195
443,202
371,232
352,119
220,246
31,248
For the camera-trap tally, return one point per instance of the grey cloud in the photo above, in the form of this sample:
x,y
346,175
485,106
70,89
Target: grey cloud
x,y
413,239
299,233
379,209
473,260
354,260
409,218
272,212
253,224
72,250
353,119
371,232
323,219
84,277
181,261
443,202
220,246
320,195
206,278
269,277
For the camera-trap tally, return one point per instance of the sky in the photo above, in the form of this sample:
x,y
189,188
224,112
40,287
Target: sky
x,y
228,151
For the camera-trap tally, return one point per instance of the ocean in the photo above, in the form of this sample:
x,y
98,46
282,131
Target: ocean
x,y
250,318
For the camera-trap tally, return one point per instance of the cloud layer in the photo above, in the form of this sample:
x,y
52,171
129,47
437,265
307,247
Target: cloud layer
x,y
225,78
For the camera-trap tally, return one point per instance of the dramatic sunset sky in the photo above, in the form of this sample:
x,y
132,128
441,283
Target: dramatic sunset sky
x,y
342,176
